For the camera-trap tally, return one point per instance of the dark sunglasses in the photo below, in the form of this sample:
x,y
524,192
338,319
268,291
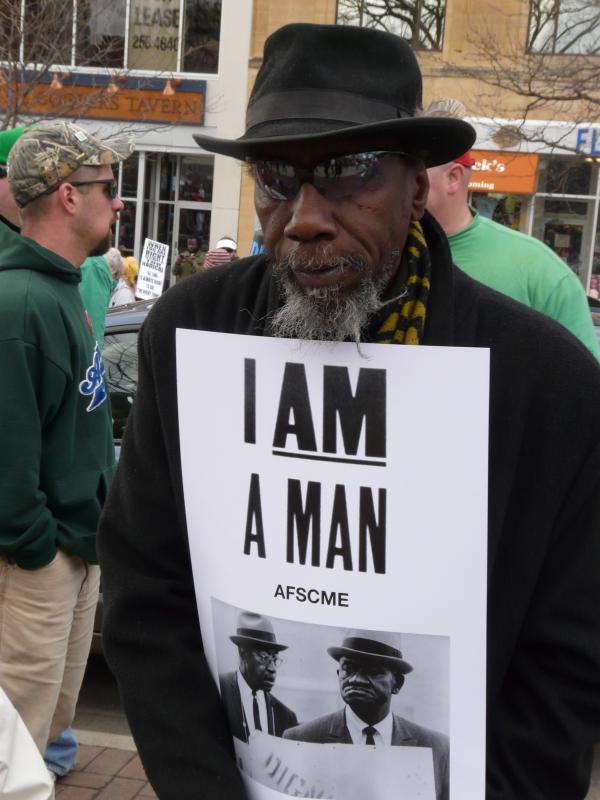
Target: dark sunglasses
x,y
3,171
110,183
334,178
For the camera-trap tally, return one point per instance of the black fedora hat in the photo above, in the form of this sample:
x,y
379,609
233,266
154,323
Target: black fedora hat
x,y
338,83
256,630
373,646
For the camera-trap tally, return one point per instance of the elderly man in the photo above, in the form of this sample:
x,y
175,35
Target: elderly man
x,y
55,428
371,671
510,262
339,154
246,693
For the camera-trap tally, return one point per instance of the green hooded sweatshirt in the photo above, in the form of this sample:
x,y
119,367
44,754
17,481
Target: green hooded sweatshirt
x,y
55,427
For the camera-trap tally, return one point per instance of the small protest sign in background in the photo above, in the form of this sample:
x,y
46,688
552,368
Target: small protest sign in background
x,y
151,277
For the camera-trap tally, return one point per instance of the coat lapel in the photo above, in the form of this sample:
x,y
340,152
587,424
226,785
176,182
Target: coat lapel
x,y
400,735
337,730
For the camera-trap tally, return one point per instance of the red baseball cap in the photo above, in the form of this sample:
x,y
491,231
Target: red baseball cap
x,y
466,160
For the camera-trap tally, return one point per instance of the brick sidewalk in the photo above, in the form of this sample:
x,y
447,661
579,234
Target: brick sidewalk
x,y
105,773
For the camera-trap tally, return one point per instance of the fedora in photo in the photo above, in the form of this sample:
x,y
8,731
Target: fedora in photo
x,y
372,646
254,629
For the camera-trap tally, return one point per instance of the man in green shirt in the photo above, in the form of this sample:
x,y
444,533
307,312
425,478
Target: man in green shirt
x,y
510,262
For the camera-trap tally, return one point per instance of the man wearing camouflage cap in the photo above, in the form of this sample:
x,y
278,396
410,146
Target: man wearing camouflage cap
x,y
55,432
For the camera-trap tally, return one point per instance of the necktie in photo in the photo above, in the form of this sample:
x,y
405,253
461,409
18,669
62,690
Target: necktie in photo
x,y
370,732
257,724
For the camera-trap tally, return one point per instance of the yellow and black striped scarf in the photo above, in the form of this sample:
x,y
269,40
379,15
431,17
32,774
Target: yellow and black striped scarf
x,y
405,323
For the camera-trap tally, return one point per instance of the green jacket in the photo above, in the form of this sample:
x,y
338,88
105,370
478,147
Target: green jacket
x,y
55,428
96,287
526,270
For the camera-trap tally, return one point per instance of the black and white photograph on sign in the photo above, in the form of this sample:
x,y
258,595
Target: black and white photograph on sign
x,y
297,694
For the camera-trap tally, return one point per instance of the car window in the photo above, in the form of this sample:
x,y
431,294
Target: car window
x,y
119,354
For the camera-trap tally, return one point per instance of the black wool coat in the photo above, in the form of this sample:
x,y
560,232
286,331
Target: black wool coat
x,y
543,652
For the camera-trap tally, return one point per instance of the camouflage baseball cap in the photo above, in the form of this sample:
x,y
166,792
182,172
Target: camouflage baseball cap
x,y
48,153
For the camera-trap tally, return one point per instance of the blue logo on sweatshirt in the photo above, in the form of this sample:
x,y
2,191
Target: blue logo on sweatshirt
x,y
93,386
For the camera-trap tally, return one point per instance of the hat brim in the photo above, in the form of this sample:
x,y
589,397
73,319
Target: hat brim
x,y
435,140
251,640
394,663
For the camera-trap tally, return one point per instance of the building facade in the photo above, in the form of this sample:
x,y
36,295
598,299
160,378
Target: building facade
x,y
163,69
159,70
536,155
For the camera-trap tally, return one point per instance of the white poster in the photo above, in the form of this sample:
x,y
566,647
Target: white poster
x,y
153,265
336,503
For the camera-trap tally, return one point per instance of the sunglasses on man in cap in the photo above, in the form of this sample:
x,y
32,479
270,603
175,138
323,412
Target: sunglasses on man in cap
x,y
111,188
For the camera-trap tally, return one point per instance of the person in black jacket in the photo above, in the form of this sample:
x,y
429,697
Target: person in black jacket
x,y
246,693
339,155
371,670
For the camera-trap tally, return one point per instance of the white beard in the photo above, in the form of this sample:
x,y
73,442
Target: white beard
x,y
328,314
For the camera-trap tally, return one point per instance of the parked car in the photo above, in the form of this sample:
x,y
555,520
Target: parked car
x,y
119,353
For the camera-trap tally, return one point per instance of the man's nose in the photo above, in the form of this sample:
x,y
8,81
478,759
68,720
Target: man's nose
x,y
358,677
118,204
312,216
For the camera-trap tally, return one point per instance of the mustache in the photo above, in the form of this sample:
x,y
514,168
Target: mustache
x,y
320,259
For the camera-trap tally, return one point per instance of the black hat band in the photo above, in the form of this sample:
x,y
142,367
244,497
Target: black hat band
x,y
318,104
371,647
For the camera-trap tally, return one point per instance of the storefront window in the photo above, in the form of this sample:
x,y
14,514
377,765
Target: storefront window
x,y
567,175
510,210
164,228
100,33
194,224
566,227
129,176
126,226
168,181
174,209
195,180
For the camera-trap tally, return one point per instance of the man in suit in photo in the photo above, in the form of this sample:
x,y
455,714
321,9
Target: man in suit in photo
x,y
246,693
371,670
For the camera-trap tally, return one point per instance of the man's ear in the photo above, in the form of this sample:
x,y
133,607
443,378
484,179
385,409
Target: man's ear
x,y
455,178
421,192
399,683
68,198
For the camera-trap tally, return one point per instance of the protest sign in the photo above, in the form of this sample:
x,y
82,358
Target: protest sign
x,y
341,494
151,276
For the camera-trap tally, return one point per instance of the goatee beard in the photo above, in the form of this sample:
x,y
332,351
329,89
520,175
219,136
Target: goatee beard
x,y
329,314
102,247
